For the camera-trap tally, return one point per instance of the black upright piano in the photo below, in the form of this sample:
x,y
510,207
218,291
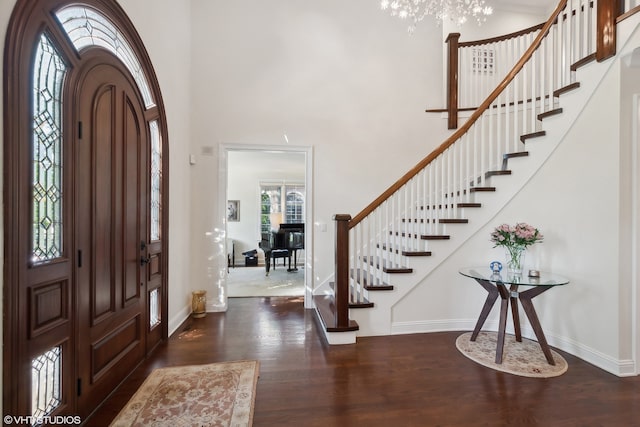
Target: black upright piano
x,y
284,243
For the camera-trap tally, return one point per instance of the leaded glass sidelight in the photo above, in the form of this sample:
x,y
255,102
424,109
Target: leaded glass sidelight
x,y
89,27
154,308
48,77
46,384
156,181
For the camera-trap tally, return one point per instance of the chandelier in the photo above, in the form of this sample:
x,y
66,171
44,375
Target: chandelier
x,y
457,11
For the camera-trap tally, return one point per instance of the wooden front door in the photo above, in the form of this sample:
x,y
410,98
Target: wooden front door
x,y
111,223
85,190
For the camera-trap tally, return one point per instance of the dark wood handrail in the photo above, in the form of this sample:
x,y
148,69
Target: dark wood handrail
x,y
627,14
503,37
461,131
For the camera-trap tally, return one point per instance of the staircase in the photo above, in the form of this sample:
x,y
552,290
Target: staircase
x,y
397,241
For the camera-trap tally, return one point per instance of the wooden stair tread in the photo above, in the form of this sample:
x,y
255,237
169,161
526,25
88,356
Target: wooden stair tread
x,y
497,173
453,221
582,62
326,309
378,285
507,156
469,205
361,305
383,266
405,252
516,154
489,174
549,113
435,237
364,303
482,189
566,89
540,133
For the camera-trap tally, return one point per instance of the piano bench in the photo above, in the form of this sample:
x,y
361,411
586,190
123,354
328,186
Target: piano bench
x,y
279,253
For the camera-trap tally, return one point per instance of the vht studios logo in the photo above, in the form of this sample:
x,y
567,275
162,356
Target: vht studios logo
x,y
31,420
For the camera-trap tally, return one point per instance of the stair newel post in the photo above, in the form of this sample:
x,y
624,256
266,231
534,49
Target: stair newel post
x,y
608,11
341,291
452,41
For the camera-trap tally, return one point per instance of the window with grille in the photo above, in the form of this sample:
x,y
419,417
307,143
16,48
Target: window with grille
x,y
270,205
483,60
46,384
275,209
48,77
88,27
156,182
154,308
294,204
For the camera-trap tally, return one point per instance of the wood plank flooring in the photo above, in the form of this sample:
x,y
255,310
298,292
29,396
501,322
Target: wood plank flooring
x,y
405,380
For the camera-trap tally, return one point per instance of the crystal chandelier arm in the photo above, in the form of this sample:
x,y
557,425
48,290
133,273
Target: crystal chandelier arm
x,y
457,11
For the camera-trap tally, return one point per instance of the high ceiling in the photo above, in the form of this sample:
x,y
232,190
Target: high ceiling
x,y
534,6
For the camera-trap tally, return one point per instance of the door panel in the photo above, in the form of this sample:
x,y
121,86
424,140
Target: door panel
x,y
111,209
134,212
98,168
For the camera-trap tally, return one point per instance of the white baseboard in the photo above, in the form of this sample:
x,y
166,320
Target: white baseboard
x,y
179,318
339,338
620,368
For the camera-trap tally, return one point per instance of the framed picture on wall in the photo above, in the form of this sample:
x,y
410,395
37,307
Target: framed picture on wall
x,y
233,210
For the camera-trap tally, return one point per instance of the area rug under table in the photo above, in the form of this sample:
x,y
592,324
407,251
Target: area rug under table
x,y
217,394
519,358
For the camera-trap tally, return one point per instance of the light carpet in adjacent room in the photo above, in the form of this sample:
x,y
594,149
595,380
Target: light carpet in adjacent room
x,y
519,358
217,394
253,282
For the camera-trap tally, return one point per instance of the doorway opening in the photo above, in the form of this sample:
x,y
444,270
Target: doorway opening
x,y
266,192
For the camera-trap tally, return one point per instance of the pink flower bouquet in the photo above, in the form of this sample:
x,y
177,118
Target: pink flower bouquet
x,y
515,239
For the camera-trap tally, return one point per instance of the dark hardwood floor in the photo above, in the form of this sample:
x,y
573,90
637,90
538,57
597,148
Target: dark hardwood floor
x,y
405,380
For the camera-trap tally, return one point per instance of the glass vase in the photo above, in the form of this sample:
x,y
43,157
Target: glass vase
x,y
515,260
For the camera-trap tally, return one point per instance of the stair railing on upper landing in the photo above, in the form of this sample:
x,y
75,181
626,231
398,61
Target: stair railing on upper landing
x,y
474,68
419,206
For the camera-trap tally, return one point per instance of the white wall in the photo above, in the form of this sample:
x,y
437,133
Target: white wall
x,y
341,77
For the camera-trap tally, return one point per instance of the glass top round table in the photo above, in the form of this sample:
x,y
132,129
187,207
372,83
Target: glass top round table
x,y
505,287
485,273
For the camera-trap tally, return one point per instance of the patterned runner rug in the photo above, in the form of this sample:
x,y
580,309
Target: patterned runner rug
x,y
519,358
218,394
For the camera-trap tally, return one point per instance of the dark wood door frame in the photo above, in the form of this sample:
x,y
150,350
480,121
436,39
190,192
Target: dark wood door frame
x,y
29,19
